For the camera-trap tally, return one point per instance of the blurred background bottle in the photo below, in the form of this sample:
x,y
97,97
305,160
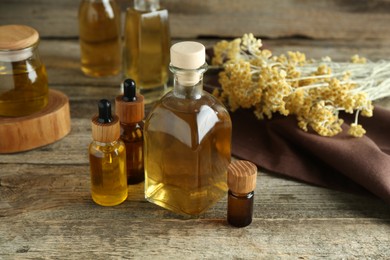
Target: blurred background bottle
x,y
146,51
23,79
100,37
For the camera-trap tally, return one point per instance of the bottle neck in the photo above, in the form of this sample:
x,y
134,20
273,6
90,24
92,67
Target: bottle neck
x,y
113,143
131,125
188,84
146,5
242,195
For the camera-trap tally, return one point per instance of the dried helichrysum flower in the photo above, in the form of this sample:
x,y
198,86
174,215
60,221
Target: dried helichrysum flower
x,y
357,59
356,130
290,84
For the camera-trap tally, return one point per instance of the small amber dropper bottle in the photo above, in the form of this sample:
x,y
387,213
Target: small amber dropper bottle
x,y
130,109
242,182
107,157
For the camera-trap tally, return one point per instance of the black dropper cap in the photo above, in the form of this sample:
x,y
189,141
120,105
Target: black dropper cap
x,y
104,111
129,90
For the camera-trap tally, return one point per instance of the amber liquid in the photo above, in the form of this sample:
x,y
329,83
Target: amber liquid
x,y
23,88
187,152
240,209
100,38
133,138
108,173
146,52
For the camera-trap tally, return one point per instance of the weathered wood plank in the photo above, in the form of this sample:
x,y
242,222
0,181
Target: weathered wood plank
x,y
41,187
46,210
321,19
68,236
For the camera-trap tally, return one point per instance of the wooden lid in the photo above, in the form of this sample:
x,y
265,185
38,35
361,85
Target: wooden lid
x,y
242,177
130,112
16,37
105,133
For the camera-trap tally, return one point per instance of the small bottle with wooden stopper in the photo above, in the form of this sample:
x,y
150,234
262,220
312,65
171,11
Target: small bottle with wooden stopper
x,y
130,109
107,157
242,183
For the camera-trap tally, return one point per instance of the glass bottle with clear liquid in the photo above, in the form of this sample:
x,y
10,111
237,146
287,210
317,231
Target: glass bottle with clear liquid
x,y
187,139
23,80
107,157
146,49
100,37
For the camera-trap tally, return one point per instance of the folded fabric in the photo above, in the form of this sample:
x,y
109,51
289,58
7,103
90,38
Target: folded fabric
x,y
342,162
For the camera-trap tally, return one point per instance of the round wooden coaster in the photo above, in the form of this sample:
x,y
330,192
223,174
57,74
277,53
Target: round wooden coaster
x,y
44,127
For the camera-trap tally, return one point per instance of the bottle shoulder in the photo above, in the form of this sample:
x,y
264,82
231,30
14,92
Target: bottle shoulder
x,y
98,148
203,113
171,102
132,132
93,8
131,11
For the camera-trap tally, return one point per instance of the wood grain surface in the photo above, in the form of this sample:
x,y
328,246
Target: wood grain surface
x,y
45,207
44,127
320,19
46,211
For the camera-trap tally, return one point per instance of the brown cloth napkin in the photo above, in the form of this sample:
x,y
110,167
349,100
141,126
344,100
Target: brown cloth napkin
x,y
358,165
341,162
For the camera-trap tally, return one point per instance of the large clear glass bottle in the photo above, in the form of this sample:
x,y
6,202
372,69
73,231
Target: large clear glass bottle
x,y
146,50
100,37
187,139
23,79
107,157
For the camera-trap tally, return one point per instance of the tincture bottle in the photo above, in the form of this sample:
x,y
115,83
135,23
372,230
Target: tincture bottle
x,y
23,79
242,177
146,50
187,139
100,37
107,157
130,109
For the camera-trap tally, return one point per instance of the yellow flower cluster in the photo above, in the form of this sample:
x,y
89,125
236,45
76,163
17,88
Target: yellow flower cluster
x,y
288,84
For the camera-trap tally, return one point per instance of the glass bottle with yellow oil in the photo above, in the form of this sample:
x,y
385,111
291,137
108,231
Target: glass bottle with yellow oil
x,y
146,50
23,80
187,139
107,157
100,38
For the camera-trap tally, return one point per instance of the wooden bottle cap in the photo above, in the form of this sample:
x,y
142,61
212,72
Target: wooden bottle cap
x,y
105,133
242,177
130,112
16,37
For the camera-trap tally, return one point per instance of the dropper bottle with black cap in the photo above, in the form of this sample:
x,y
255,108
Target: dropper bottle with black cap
x,y
130,109
107,157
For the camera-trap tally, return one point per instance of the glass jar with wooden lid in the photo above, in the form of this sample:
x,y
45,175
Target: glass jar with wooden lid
x,y
23,78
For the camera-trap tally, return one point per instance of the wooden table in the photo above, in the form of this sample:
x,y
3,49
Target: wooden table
x,y
46,211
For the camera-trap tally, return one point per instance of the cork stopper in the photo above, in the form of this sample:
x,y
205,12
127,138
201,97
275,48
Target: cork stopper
x,y
16,37
242,177
105,127
130,106
188,55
